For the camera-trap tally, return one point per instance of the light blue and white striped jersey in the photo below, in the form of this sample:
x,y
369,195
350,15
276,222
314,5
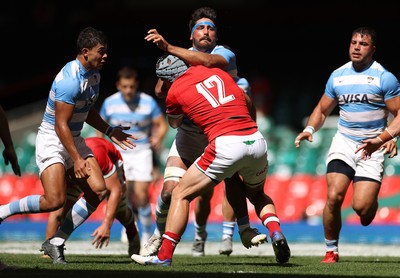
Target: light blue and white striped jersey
x,y
73,85
138,114
229,56
232,67
244,85
361,98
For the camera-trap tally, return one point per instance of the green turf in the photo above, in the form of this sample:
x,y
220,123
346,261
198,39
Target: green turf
x,y
113,266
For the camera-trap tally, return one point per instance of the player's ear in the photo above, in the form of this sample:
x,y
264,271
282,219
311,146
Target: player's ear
x,y
85,53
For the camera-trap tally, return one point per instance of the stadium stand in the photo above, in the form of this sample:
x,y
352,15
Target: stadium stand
x,y
296,180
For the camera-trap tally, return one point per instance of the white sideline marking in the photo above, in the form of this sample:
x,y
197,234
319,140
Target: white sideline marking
x,y
211,248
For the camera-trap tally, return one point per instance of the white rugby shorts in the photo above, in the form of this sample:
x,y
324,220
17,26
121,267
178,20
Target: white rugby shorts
x,y
50,150
343,148
227,155
138,164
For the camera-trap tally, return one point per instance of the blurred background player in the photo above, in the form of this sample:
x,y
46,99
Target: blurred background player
x,y
111,165
142,114
190,141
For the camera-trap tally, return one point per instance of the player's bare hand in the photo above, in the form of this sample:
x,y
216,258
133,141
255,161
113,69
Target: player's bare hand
x,y
122,139
81,169
10,156
155,37
390,148
302,136
368,146
101,237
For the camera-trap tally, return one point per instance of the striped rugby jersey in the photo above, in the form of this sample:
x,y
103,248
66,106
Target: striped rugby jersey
x,y
73,85
138,114
361,98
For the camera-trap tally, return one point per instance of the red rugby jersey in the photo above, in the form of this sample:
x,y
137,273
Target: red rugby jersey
x,y
212,100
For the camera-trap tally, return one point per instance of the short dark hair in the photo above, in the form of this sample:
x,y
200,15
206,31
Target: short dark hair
x,y
206,12
127,72
364,30
89,38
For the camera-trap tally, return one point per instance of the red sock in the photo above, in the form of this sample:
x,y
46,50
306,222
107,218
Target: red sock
x,y
271,221
169,242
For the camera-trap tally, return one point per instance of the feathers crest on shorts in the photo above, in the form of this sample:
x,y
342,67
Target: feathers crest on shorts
x,y
170,67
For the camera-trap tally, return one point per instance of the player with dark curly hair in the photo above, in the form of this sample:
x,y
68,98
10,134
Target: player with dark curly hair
x,y
216,104
190,141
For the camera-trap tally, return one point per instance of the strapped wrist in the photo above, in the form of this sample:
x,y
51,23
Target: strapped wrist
x,y
109,131
309,129
389,132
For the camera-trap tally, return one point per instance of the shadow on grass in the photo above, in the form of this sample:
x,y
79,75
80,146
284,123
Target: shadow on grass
x,y
13,272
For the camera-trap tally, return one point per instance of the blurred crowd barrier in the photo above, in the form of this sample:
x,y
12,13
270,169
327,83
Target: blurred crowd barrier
x,y
296,180
297,198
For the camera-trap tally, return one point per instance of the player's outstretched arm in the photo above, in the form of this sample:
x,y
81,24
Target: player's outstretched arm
x,y
9,154
116,134
317,118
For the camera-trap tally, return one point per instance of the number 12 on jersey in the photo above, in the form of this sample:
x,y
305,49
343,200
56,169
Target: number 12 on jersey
x,y
203,88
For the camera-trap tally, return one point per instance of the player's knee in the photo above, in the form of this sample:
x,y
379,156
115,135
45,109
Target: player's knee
x,y
367,218
101,194
52,204
166,192
333,203
166,196
365,210
59,217
335,199
253,193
